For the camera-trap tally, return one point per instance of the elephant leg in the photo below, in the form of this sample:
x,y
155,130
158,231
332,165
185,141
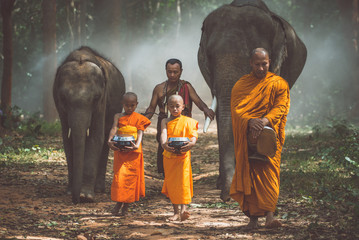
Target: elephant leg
x,y
92,156
100,184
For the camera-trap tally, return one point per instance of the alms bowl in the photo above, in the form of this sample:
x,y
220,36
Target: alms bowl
x,y
122,141
177,142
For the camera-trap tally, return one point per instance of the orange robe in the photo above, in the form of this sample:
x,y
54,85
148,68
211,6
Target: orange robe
x,y
255,184
178,184
128,183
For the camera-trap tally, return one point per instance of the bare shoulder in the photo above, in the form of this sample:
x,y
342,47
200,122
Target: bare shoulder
x,y
186,82
159,87
118,115
165,121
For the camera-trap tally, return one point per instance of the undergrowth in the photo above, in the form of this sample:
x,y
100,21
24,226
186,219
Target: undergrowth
x,y
322,169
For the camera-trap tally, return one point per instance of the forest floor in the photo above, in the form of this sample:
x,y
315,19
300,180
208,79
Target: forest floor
x,y
33,203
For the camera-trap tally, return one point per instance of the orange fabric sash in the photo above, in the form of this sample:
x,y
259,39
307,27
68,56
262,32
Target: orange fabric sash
x,y
255,185
128,130
128,183
178,184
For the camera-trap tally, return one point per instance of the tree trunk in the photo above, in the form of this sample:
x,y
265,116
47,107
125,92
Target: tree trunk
x,y
6,86
69,13
350,24
107,19
82,22
115,28
49,51
179,19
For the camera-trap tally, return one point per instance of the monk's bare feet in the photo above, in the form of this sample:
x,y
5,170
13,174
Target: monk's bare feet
x,y
273,224
253,224
116,208
124,211
175,217
185,215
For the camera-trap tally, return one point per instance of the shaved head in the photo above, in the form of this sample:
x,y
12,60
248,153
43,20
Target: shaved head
x,y
130,95
175,98
260,62
259,52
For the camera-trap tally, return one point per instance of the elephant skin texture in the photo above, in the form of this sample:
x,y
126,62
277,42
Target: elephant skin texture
x,y
229,35
88,92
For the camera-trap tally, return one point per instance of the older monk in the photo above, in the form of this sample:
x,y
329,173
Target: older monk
x,y
259,106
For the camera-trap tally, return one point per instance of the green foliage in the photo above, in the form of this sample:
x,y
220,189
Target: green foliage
x,y
30,124
322,169
346,151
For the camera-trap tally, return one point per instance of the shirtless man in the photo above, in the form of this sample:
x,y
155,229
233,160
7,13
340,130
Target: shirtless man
x,y
161,93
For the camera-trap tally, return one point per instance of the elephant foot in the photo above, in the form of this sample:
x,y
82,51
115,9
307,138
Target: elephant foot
x,y
225,196
100,187
68,190
87,196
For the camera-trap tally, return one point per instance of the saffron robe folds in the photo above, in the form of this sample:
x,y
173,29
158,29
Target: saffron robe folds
x,y
255,184
178,184
128,183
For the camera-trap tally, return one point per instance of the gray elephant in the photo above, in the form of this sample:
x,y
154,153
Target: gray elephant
x,y
88,92
229,34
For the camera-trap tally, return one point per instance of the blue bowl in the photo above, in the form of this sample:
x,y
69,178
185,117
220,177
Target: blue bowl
x,y
177,142
123,141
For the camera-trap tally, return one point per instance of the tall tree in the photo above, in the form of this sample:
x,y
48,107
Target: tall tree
x,y
76,20
107,19
6,86
350,22
49,51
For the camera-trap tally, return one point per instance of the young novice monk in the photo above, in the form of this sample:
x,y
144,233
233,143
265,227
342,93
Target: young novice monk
x,y
178,184
128,183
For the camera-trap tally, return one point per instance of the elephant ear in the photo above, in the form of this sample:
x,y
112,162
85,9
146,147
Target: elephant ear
x,y
203,60
294,54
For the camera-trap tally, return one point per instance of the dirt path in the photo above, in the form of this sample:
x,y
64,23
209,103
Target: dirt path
x,y
34,206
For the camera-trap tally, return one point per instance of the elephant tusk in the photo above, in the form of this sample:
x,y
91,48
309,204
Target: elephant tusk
x,y
88,132
208,120
69,133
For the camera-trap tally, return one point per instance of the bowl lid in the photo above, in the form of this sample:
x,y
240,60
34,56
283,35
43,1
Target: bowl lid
x,y
123,138
178,139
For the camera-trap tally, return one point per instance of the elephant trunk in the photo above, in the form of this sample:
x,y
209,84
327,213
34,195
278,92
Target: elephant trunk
x,y
226,147
224,82
78,142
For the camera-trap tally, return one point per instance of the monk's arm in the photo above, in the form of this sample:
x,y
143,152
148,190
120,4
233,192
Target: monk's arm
x,y
153,103
139,139
136,145
280,106
189,145
113,131
163,139
199,103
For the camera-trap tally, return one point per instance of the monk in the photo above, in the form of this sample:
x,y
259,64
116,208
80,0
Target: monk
x,y
161,94
258,99
128,183
178,185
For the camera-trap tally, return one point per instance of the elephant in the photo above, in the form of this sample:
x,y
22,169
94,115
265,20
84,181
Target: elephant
x,y
229,34
88,93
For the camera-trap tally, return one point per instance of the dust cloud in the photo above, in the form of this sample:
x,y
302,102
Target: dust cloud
x,y
144,67
312,97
